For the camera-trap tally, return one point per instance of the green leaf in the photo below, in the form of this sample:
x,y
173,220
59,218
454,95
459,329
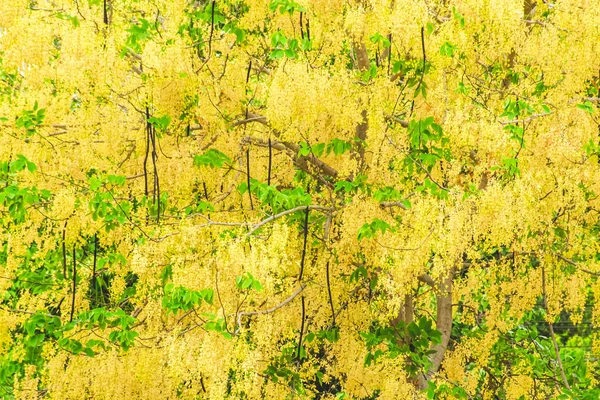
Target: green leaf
x,y
204,206
31,167
160,123
304,149
318,149
380,39
212,158
277,54
338,146
117,180
587,107
208,295
242,188
447,49
458,17
306,44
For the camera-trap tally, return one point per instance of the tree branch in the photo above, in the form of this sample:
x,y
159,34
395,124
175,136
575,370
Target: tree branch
x,y
292,149
268,311
531,117
284,213
443,323
399,203
427,279
568,261
551,328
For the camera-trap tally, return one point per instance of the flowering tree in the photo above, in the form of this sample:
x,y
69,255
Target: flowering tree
x,y
315,199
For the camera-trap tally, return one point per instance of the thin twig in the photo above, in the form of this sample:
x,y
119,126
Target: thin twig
x,y
221,302
284,213
105,13
531,117
551,328
303,258
270,310
270,162
423,70
587,271
94,263
329,293
147,152
64,251
74,285
303,318
19,279
248,177
29,312
399,203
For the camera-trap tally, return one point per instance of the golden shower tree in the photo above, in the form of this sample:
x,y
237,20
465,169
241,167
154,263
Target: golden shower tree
x,y
315,199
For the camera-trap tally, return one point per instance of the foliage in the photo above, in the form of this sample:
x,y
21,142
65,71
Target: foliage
x,y
299,199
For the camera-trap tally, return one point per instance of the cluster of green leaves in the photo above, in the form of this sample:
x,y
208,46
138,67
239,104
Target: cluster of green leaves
x,y
358,184
369,230
282,45
388,193
371,73
525,348
587,106
180,298
103,204
427,142
281,368
160,123
14,198
364,276
514,109
335,146
35,332
428,147
211,158
458,17
139,32
31,120
508,168
444,390
330,335
286,47
379,39
212,17
591,148
411,70
114,211
34,274
247,281
42,327
66,17
122,335
9,82
530,343
200,207
413,340
277,200
217,324
520,108
447,49
286,6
